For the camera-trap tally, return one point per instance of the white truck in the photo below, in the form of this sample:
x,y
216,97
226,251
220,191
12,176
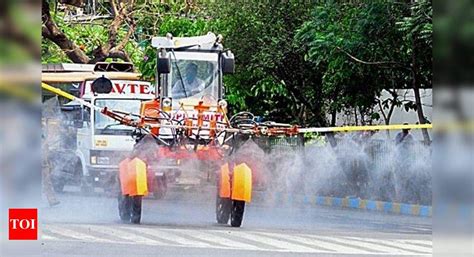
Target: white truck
x,y
100,141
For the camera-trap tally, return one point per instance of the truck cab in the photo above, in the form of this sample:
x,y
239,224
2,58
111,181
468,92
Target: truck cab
x,y
190,72
101,142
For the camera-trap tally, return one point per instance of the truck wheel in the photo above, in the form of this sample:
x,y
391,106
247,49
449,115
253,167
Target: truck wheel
x,y
125,207
160,188
136,209
237,213
223,209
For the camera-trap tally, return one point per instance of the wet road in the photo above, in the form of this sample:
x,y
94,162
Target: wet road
x,y
183,224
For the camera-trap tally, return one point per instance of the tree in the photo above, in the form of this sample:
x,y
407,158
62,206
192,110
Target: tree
x,y
113,47
418,38
272,78
181,20
363,48
296,61
356,47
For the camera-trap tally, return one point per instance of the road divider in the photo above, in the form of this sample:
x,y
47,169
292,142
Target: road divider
x,y
273,198
346,202
371,205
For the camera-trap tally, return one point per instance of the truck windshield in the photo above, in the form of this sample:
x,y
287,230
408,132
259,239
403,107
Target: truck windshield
x,y
194,75
104,125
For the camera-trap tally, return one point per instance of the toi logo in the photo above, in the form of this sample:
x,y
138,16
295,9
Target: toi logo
x,y
22,224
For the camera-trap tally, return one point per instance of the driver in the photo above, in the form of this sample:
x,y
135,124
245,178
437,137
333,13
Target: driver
x,y
192,84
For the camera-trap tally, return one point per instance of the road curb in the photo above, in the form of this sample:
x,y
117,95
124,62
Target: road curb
x,y
346,202
371,205
356,203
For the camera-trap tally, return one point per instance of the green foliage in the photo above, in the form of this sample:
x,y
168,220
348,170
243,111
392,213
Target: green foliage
x,y
296,61
277,81
339,35
178,27
417,35
87,37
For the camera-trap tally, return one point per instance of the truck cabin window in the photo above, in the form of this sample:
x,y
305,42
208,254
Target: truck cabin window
x,y
104,125
193,78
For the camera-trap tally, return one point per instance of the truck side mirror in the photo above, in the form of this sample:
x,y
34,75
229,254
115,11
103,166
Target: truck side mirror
x,y
228,63
164,62
102,85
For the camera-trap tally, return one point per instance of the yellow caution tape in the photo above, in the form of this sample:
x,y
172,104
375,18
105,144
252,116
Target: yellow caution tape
x,y
300,130
362,128
57,91
64,94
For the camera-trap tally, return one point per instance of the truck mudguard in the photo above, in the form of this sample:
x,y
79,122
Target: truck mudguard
x,y
242,183
224,181
133,177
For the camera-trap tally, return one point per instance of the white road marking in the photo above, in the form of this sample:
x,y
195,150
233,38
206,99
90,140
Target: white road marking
x,y
219,239
337,248
278,244
170,236
404,245
323,246
237,239
426,243
48,237
71,233
126,236
374,246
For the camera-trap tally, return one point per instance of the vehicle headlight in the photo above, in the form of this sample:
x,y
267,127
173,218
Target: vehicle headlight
x,y
166,102
93,159
223,104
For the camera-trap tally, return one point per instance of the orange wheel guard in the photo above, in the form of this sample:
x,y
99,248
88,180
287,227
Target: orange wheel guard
x,y
133,177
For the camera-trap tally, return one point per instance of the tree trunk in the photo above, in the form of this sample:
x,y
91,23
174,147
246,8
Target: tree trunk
x,y
333,118
111,49
421,116
52,32
416,90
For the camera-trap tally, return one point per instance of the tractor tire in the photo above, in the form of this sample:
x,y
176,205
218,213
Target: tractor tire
x,y
125,207
136,210
160,188
223,209
237,214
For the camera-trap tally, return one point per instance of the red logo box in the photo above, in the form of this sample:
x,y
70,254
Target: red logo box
x,y
23,224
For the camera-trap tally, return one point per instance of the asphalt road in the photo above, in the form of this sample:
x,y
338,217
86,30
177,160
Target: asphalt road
x,y
183,224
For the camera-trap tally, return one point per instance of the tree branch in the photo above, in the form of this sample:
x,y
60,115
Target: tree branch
x,y
368,63
111,49
125,40
382,111
52,32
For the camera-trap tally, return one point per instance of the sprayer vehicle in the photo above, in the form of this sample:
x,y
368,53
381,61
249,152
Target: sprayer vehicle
x,y
96,143
187,121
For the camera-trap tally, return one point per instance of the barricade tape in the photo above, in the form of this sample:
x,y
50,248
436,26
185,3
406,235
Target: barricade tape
x,y
366,128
